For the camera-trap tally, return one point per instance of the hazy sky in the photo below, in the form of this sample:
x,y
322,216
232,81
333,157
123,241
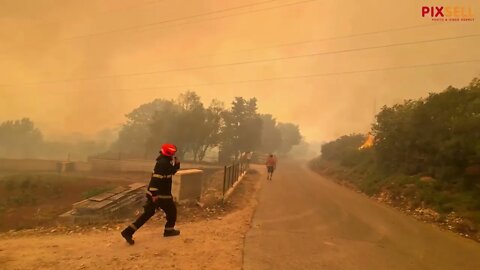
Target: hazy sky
x,y
80,66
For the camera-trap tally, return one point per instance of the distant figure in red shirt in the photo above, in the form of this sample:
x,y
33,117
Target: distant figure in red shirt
x,y
271,165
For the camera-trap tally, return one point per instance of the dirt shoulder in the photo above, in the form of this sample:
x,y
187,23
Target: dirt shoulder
x,y
212,240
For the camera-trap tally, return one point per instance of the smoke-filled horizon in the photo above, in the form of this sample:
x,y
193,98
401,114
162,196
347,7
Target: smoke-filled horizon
x,y
328,66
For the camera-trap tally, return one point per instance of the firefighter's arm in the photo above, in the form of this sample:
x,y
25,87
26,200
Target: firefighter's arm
x,y
176,165
151,189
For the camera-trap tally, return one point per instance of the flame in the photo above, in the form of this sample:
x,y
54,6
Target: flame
x,y
368,142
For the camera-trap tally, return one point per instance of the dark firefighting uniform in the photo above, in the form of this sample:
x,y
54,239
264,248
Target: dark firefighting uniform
x,y
161,186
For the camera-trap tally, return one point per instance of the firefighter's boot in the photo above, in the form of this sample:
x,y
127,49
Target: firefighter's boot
x,y
171,232
128,235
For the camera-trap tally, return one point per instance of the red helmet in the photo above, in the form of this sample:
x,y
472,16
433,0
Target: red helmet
x,y
168,149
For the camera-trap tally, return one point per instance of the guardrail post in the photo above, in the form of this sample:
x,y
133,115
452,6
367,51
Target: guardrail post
x,y
236,172
224,179
231,176
234,179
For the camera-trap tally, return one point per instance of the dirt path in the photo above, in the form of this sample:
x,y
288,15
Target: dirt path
x,y
207,244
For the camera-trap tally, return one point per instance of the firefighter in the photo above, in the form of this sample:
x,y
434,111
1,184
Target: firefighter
x,y
159,194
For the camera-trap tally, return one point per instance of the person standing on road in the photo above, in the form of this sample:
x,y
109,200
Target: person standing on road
x,y
271,165
159,194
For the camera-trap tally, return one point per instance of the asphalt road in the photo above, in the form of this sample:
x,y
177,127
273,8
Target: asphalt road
x,y
304,221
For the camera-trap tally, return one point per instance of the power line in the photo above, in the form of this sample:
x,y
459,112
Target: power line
x,y
296,77
150,25
255,61
338,37
286,44
130,7
309,75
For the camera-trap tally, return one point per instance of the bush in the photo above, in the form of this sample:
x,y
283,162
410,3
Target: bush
x,y
21,200
371,184
437,135
25,183
9,184
345,150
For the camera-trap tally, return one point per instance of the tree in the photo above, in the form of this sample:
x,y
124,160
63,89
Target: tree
x,y
438,135
19,138
165,127
211,130
271,135
291,136
195,129
184,122
190,131
241,130
135,136
345,150
188,125
395,133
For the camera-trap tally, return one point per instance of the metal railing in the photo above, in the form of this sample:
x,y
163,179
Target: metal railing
x,y
232,174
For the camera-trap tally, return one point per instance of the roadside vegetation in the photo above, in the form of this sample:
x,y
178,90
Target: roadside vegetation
x,y
425,155
36,199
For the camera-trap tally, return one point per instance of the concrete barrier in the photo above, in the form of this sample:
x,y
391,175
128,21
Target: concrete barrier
x,y
187,185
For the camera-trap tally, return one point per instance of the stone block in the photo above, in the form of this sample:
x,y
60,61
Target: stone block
x,y
187,185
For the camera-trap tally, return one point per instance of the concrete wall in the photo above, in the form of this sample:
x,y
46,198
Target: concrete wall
x,y
27,165
104,165
130,165
82,166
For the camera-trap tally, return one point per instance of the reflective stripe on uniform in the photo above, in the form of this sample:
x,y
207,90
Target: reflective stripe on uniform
x,y
152,189
161,176
169,228
160,196
133,226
